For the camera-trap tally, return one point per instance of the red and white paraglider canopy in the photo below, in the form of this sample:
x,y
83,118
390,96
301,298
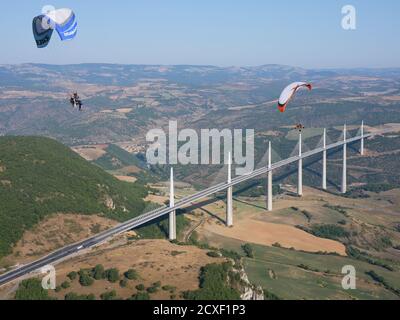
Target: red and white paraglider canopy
x,y
288,93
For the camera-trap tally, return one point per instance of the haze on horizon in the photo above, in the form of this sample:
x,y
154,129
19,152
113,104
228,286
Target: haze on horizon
x,y
304,33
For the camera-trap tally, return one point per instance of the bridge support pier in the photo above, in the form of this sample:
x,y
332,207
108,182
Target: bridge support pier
x,y
362,140
229,196
324,156
344,176
172,214
300,172
269,183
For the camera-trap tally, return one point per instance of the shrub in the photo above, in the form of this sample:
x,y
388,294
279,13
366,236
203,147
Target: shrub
x,y
214,284
248,250
131,274
169,288
213,254
362,256
176,253
230,254
65,285
140,296
378,188
329,231
111,295
72,275
382,281
305,267
123,283
375,276
152,290
140,287
112,275
84,278
386,242
339,209
72,296
31,289
75,296
307,214
98,272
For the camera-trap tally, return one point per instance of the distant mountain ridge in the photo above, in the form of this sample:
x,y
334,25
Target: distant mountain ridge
x,y
122,102
121,74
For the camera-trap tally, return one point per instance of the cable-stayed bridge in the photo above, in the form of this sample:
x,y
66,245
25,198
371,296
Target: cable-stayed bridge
x,y
268,170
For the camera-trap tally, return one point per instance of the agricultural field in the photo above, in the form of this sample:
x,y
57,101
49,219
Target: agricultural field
x,y
291,274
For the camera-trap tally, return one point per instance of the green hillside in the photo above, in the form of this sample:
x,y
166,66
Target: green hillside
x,y
40,177
117,158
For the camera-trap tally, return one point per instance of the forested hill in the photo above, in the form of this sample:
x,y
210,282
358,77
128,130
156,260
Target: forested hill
x,y
40,177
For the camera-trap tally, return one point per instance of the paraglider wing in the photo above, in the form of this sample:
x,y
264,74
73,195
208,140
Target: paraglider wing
x,y
66,23
41,31
288,93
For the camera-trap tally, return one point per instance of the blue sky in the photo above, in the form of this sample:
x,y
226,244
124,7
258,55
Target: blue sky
x,y
305,33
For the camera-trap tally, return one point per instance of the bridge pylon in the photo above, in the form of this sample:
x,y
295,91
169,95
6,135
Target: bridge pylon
x,y
344,172
172,214
269,183
362,139
300,170
229,196
324,156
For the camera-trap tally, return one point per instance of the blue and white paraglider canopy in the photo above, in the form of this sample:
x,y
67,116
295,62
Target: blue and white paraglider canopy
x,y
41,31
65,22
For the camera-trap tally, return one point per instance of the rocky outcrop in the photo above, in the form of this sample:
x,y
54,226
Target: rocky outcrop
x,y
109,203
250,291
247,290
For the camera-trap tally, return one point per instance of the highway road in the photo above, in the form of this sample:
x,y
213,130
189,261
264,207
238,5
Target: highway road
x,y
149,216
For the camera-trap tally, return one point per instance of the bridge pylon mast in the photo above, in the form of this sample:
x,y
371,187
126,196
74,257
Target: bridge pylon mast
x,y
344,172
362,139
269,184
324,156
229,195
300,171
172,214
